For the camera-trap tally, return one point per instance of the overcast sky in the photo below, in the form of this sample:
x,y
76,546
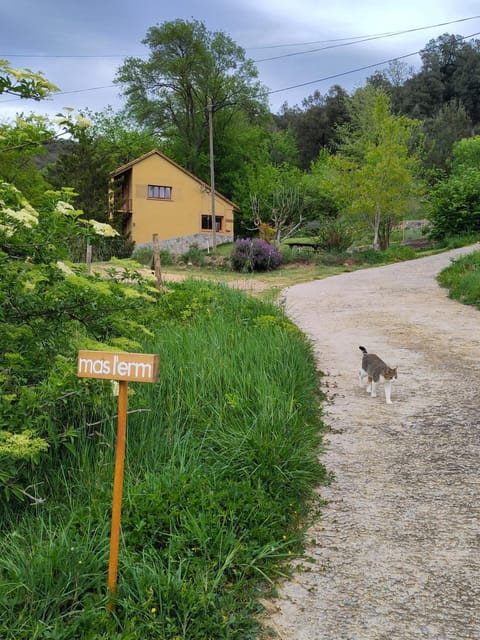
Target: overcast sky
x,y
80,45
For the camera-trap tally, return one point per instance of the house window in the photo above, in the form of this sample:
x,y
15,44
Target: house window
x,y
158,192
207,223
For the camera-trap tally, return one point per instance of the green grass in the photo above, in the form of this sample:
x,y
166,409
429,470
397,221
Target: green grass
x,y
462,279
222,462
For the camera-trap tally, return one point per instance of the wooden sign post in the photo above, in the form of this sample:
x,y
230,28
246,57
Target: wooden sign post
x,y
124,367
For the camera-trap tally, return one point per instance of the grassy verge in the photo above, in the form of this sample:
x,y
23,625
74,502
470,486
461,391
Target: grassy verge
x,y
220,475
462,279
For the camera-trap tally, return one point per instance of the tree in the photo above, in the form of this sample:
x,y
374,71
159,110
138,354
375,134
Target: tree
x,y
455,201
448,126
276,200
450,71
373,177
314,125
86,161
21,142
24,83
189,71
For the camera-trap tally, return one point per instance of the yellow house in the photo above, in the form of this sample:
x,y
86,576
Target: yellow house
x,y
156,195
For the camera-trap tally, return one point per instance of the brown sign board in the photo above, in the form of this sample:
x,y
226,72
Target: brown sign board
x,y
110,365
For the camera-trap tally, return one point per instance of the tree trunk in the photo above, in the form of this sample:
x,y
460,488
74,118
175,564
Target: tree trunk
x,y
385,229
376,230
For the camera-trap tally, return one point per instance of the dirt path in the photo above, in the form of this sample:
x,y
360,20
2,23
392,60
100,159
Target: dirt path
x,y
396,555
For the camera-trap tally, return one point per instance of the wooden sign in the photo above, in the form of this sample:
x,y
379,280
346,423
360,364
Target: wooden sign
x,y
125,367
109,365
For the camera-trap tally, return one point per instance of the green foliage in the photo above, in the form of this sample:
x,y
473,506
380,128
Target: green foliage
x,y
466,154
49,309
194,255
399,253
24,83
314,124
449,125
450,68
21,143
455,201
454,242
188,67
462,279
373,177
101,143
221,467
335,234
368,256
144,255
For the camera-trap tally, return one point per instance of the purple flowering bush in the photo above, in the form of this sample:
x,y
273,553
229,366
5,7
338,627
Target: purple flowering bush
x,y
254,254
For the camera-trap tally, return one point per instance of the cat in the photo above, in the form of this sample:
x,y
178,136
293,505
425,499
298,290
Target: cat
x,y
375,368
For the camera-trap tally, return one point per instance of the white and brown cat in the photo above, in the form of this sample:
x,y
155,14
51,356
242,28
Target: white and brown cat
x,y
375,368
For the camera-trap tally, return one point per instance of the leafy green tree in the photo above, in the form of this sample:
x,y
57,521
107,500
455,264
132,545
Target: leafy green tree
x,y
450,71
191,71
449,125
314,125
21,142
320,202
466,154
373,176
273,198
107,141
455,201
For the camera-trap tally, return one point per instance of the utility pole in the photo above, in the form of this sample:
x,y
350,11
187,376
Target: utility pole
x,y
212,175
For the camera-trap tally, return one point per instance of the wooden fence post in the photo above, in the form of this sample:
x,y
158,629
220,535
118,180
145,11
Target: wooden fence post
x,y
156,261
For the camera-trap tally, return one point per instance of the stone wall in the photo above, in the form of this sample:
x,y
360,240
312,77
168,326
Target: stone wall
x,y
182,245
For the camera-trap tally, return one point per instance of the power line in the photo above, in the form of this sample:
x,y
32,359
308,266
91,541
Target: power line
x,y
372,35
346,42
64,93
364,68
270,92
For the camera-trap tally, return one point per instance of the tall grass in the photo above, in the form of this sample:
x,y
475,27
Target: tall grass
x,y
222,463
462,279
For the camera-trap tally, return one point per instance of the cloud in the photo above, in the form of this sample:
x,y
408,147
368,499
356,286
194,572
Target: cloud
x,y
103,28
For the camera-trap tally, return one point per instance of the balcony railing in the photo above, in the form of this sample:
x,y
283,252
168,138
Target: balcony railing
x,y
124,206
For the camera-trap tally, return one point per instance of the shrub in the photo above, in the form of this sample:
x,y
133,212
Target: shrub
x,y
48,310
311,228
254,255
335,234
144,255
194,255
455,205
454,242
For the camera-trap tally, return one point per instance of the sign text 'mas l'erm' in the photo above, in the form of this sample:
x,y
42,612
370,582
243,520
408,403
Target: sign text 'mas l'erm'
x,y
134,367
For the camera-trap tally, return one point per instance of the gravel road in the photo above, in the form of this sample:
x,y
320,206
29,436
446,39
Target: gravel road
x,y
395,555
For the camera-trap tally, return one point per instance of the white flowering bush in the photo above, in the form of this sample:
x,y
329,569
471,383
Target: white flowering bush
x,y
48,310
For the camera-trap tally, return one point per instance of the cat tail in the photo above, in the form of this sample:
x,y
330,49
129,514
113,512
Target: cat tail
x,y
363,349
